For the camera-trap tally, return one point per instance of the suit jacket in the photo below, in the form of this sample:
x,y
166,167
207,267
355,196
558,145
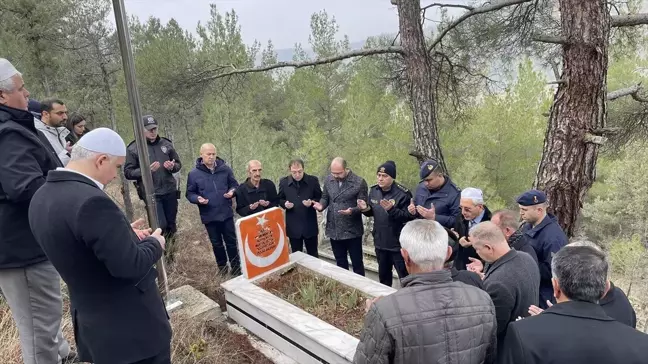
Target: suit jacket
x,y
301,221
118,314
336,198
575,333
461,226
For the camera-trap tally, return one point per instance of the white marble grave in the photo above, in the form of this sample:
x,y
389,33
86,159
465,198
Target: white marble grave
x,y
298,334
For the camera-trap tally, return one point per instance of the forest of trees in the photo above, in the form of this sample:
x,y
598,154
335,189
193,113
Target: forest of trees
x,y
472,89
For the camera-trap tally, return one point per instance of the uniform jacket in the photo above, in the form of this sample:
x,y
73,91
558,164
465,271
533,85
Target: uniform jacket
x,y
445,201
616,305
388,224
247,194
461,226
211,185
301,221
430,320
546,238
520,242
117,312
336,198
25,159
575,333
161,150
57,139
513,282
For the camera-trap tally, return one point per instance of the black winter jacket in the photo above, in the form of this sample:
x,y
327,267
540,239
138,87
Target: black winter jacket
x,y
461,226
247,194
388,224
26,157
301,221
161,150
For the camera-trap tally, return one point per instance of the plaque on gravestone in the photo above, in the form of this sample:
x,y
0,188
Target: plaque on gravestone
x,y
262,242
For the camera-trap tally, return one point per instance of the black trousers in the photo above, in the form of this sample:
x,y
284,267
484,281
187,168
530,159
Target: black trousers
x,y
352,247
297,245
386,260
162,358
167,211
218,232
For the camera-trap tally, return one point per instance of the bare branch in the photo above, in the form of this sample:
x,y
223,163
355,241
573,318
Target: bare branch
x,y
558,82
549,39
611,96
554,68
606,131
441,5
320,61
629,20
490,7
594,139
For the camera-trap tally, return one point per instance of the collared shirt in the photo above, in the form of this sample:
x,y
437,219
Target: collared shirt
x,y
472,223
99,184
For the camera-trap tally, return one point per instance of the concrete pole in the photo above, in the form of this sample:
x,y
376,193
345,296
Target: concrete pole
x,y
138,127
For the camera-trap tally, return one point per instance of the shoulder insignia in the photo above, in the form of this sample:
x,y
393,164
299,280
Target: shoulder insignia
x,y
401,187
167,139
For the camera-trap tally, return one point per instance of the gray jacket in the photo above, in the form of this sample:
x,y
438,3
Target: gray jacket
x,y
56,137
513,282
336,198
430,320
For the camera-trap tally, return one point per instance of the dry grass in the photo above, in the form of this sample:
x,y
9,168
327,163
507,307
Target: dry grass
x,y
326,299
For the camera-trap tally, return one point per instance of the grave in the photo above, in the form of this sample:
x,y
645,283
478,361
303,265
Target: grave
x,y
295,332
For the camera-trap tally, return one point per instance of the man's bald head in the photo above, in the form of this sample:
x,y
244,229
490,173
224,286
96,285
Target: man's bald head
x,y
208,154
254,169
338,168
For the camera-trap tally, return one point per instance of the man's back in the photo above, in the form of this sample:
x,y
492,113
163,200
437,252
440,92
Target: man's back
x,y
573,332
431,320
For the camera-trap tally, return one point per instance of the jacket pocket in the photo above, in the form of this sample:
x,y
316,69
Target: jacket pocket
x,y
148,281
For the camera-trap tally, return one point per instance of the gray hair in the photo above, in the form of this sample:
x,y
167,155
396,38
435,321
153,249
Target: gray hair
x,y
8,85
488,232
426,242
581,271
80,153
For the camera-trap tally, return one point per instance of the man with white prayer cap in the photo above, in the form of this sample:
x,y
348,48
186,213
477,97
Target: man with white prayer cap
x,y
473,211
29,282
118,314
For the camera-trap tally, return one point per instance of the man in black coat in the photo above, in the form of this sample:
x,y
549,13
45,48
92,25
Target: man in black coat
x,y
576,330
28,281
118,314
165,163
512,278
387,204
255,194
297,193
473,211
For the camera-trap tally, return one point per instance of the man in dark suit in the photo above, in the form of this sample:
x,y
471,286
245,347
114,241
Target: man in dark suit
x,y
117,312
255,194
297,193
576,330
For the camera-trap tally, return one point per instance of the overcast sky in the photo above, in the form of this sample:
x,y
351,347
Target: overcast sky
x,y
286,22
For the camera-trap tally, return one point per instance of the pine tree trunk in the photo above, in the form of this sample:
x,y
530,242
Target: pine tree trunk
x,y
568,166
418,71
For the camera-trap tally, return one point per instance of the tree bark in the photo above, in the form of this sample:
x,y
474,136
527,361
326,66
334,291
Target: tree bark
x,y
418,72
568,166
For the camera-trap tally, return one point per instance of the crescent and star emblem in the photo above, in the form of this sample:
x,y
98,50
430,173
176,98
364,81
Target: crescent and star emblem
x,y
263,262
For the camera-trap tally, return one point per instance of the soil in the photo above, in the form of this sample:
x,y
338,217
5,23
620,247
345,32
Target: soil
x,y
322,297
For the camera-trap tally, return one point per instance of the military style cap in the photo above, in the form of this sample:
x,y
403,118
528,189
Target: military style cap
x,y
532,198
427,167
149,122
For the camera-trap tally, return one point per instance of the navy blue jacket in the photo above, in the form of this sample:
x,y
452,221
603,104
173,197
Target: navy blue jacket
x,y
445,200
546,238
211,186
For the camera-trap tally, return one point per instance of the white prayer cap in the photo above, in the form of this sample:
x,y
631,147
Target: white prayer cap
x,y
7,70
474,194
103,140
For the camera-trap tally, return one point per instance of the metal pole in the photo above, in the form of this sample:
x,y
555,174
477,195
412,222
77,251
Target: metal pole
x,y
136,111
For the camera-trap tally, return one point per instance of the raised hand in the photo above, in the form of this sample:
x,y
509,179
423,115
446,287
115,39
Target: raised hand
x,y
465,242
362,204
289,205
137,226
157,234
411,208
169,165
345,212
387,205
308,203
264,203
229,194
475,265
202,200
155,166
318,206
254,205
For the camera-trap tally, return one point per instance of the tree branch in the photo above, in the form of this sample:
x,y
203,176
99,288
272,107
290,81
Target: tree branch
x,y
629,91
475,11
629,20
549,39
320,61
441,5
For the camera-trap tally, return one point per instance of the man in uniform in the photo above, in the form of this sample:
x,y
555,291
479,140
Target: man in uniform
x,y
545,235
436,197
387,204
165,162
